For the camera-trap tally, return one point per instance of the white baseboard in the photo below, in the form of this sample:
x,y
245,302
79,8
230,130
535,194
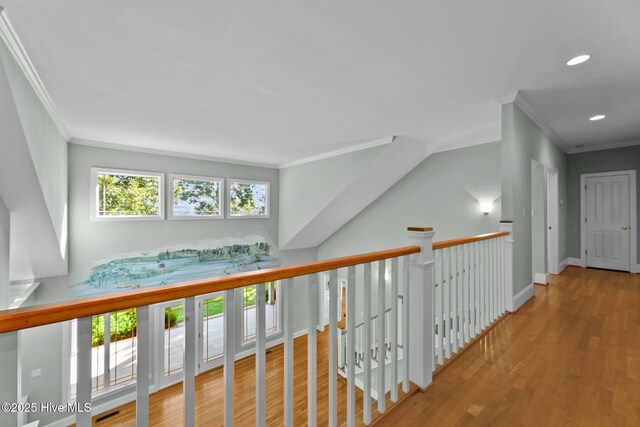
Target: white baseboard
x,y
564,264
540,278
576,262
635,269
523,296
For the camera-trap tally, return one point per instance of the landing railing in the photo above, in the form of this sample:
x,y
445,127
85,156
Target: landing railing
x,y
387,272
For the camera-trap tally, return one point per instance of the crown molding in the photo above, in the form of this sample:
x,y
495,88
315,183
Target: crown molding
x,y
351,149
518,99
605,146
469,138
507,98
11,40
144,150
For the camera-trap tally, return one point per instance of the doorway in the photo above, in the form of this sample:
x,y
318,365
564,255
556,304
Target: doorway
x,y
608,220
553,207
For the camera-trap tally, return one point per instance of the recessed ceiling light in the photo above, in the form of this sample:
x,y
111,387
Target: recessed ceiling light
x,y
578,60
597,117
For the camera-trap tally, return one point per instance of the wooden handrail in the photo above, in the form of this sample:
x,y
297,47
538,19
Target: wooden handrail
x,y
29,317
469,239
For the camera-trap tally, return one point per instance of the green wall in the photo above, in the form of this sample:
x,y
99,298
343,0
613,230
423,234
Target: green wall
x,y
523,141
442,192
615,159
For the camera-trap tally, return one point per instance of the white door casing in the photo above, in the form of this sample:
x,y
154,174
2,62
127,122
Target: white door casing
x,y
608,220
553,238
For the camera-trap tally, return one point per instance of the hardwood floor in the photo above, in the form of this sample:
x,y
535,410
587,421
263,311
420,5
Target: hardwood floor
x,y
570,356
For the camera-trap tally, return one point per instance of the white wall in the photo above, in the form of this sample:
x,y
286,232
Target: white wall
x,y
4,255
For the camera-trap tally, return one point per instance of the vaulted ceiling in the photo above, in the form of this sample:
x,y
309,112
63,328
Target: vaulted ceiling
x,y
272,82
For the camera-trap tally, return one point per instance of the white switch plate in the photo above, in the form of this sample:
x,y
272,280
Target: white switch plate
x,y
36,373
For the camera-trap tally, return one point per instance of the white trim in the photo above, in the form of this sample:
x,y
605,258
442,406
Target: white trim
x,y
540,278
507,98
351,149
552,226
24,295
12,41
221,187
523,296
530,112
633,216
575,262
606,146
159,152
267,201
564,264
635,269
94,195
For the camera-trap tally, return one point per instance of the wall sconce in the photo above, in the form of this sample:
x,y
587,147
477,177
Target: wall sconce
x,y
485,207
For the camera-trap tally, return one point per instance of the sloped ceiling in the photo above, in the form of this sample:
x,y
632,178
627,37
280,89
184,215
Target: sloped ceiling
x,y
274,82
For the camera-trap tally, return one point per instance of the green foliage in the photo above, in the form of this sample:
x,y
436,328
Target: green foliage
x,y
247,199
123,324
202,197
120,195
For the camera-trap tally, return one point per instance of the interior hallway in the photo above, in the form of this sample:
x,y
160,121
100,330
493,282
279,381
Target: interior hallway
x,y
569,357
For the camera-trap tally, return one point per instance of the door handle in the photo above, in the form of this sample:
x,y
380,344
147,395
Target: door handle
x,y
624,227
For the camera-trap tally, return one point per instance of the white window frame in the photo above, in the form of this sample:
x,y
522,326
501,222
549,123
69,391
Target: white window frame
x,y
94,195
221,197
251,341
69,353
267,200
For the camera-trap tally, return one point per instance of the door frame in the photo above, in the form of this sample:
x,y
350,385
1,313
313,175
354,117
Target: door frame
x,y
633,216
553,207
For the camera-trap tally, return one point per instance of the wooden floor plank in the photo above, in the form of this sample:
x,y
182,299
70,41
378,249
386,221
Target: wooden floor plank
x,y
571,356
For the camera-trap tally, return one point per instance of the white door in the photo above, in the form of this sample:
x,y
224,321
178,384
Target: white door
x,y
607,222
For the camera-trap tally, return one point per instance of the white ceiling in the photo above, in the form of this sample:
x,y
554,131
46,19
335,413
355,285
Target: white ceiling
x,y
273,82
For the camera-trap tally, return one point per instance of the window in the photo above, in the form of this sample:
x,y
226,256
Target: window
x,y
272,311
118,194
196,197
248,199
113,351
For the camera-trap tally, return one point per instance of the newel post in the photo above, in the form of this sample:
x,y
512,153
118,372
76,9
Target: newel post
x,y
507,264
420,299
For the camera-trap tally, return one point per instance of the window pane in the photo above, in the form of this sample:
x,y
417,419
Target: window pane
x,y
248,199
173,339
213,327
122,349
272,312
196,197
97,353
127,195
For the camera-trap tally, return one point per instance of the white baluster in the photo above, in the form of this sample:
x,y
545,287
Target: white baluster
x,y
446,310
333,353
472,291
483,310
393,330
466,315
288,351
477,287
460,311
83,385
106,350
453,311
229,354
405,324
508,265
312,311
439,313
494,251
366,344
261,355
351,325
421,310
189,366
501,270
381,334
142,367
